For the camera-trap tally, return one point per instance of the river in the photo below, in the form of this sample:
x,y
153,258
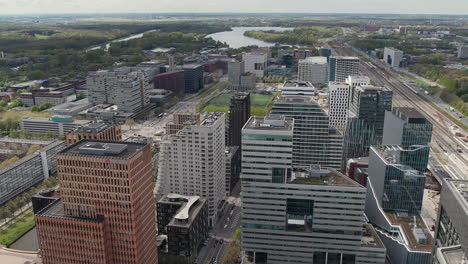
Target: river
x,y
106,46
236,39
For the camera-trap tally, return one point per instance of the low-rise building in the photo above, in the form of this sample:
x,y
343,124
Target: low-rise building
x,y
23,174
70,108
58,125
184,220
357,170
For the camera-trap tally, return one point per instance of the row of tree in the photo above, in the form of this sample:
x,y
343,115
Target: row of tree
x,y
9,209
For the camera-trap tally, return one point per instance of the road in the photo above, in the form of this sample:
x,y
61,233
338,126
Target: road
x,y
223,230
456,163
155,125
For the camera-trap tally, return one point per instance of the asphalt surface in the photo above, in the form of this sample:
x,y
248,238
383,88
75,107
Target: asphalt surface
x,y
221,235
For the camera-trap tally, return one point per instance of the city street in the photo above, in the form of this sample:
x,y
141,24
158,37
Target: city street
x,y
222,233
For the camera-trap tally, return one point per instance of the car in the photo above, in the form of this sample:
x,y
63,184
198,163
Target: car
x,y
160,115
222,241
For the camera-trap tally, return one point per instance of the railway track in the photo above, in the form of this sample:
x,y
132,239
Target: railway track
x,y
404,97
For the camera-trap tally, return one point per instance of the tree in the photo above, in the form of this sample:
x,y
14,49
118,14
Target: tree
x,y
4,214
130,123
80,96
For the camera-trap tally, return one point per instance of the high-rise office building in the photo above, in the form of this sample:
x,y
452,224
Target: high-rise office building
x,y
406,126
255,62
462,52
365,125
399,187
235,71
193,76
192,162
239,113
451,237
325,52
315,142
287,214
125,87
106,211
338,100
313,70
393,203
339,68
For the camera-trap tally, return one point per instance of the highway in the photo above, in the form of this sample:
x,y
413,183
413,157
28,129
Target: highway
x,y
443,138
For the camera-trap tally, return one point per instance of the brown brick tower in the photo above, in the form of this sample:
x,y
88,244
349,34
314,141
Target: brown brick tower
x,y
106,213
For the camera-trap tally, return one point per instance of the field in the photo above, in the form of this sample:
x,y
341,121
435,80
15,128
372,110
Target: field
x,y
260,104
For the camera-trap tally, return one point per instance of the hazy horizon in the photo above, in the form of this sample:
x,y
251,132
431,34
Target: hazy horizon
x,y
416,7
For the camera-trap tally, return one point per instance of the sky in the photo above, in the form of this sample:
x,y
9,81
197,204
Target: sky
x,y
235,6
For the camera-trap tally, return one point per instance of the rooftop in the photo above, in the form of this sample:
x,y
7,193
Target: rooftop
x,y
460,188
298,84
315,60
345,57
314,175
453,254
364,88
69,106
188,211
209,119
118,149
270,122
55,210
369,237
409,115
295,99
414,229
56,119
92,128
391,153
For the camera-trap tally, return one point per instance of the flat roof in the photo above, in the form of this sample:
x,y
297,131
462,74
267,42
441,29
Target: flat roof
x,y
407,223
55,210
120,149
270,122
315,175
93,128
460,188
296,99
191,66
372,87
298,84
370,238
408,112
391,153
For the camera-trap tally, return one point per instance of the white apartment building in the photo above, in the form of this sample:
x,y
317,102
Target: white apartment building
x,y
313,70
338,100
255,62
192,162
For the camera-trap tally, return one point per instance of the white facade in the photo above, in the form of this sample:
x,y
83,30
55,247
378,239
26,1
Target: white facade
x,y
292,216
255,62
298,88
357,80
393,56
192,162
462,52
313,69
338,104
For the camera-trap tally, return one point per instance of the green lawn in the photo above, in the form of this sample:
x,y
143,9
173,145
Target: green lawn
x,y
39,36
17,230
260,104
